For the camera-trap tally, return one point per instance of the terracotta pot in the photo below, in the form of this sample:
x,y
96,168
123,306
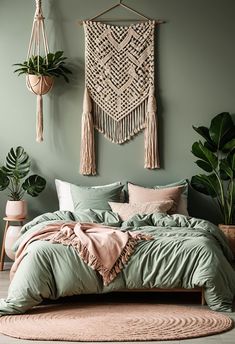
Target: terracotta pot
x,y
39,84
12,235
16,209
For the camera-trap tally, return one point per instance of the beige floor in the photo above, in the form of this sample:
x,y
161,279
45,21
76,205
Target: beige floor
x,y
225,338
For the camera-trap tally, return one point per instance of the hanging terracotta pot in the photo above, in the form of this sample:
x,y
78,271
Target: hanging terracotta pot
x,y
16,209
39,84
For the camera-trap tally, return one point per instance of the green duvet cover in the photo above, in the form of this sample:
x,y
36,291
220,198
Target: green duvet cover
x,y
186,252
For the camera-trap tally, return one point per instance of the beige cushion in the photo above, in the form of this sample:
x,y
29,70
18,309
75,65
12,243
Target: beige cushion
x,y
127,210
140,194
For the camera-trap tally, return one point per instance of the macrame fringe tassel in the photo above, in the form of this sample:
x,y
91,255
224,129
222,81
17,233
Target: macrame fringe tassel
x,y
122,130
39,126
151,144
87,156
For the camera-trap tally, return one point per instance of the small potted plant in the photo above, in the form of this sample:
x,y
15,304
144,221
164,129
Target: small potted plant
x,y
13,177
216,156
40,71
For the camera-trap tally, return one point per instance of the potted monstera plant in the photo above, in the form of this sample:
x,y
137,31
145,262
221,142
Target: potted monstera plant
x,y
14,177
216,157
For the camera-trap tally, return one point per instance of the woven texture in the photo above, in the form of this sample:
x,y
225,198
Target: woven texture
x,y
119,95
229,231
114,322
119,68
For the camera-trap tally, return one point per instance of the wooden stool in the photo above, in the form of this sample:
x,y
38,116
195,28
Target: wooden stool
x,y
8,220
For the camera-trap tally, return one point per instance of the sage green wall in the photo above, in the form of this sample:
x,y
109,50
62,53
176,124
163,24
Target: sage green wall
x,y
195,77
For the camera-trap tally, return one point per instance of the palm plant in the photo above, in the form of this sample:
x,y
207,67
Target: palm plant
x,y
217,158
53,64
13,174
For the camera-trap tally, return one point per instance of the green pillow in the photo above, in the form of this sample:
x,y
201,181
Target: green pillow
x,y
95,198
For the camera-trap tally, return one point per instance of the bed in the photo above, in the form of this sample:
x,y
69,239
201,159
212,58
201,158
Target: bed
x,y
184,253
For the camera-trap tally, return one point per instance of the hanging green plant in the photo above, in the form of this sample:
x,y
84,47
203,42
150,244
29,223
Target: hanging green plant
x,y
41,69
53,64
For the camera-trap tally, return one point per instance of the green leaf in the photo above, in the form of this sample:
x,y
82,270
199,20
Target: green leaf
x,y
220,128
17,163
225,168
51,65
34,185
229,146
231,160
207,185
204,165
205,154
204,132
58,54
4,180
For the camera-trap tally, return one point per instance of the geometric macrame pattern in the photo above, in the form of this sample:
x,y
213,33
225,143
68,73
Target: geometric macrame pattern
x,y
119,96
119,76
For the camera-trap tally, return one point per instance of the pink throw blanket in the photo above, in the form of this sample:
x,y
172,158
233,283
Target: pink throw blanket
x,y
105,249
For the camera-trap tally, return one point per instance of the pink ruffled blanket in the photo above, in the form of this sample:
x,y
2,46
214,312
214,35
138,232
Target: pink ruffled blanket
x,y
105,249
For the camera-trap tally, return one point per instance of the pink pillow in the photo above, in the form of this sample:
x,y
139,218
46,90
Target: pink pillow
x,y
139,194
127,210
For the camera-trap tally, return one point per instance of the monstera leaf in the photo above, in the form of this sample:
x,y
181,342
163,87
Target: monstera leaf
x,y
4,181
17,163
13,174
34,185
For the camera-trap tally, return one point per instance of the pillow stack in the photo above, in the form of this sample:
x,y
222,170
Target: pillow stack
x,y
171,198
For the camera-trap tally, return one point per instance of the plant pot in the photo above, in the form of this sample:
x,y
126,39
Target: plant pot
x,y
39,84
16,209
229,231
12,235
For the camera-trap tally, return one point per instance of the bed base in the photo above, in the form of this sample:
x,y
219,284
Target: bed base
x,y
174,290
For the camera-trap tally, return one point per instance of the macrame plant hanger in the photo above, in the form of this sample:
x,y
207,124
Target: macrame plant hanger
x,y
97,115
38,84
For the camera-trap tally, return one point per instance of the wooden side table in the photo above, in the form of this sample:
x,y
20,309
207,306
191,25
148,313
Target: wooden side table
x,y
8,221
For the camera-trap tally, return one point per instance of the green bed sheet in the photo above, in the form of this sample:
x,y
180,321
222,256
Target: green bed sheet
x,y
185,253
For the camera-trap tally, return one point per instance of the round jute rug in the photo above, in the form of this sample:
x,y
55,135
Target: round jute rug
x,y
114,322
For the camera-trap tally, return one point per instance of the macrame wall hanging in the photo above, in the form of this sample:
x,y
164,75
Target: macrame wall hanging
x,y
119,98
